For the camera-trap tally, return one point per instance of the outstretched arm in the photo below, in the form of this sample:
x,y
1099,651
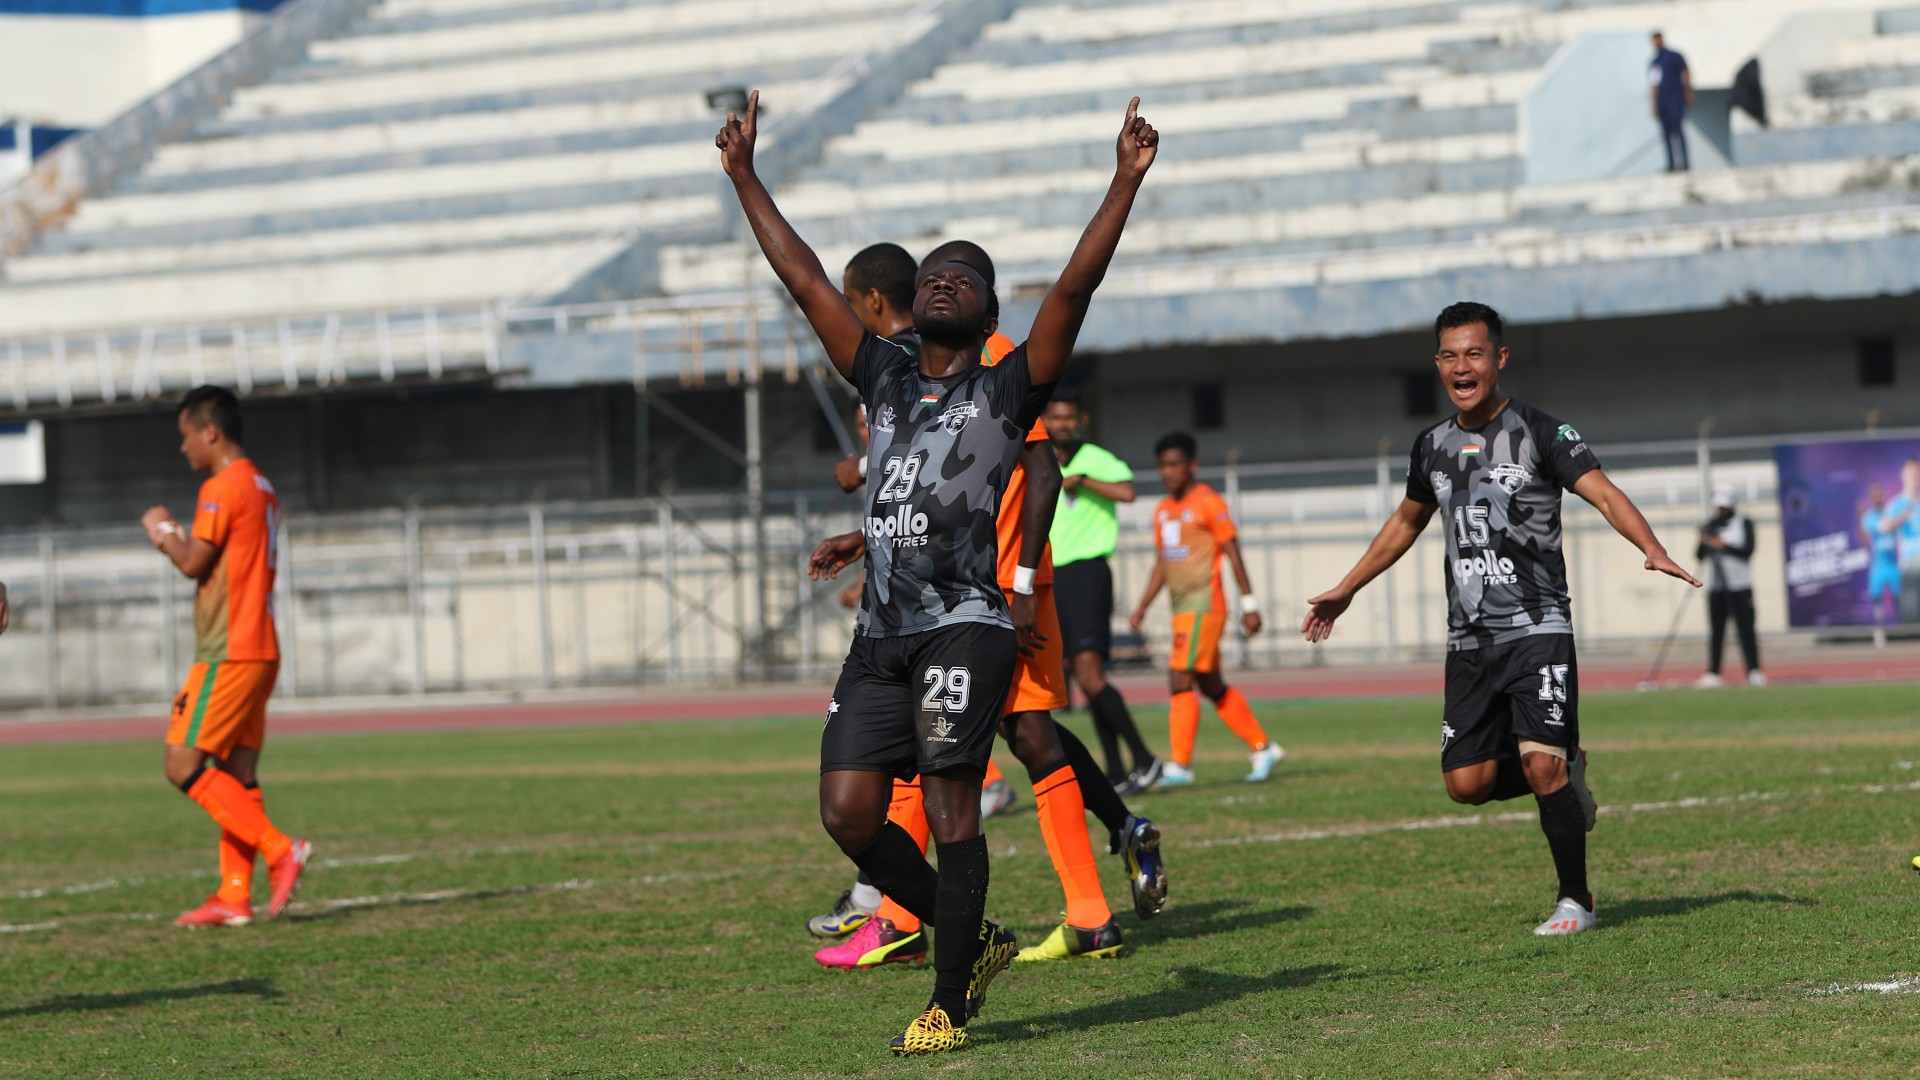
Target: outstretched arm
x,y
1626,519
798,267
1394,539
1057,324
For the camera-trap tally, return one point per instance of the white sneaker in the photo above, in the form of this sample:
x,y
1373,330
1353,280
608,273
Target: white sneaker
x,y
1263,760
1173,774
1756,678
1568,918
1709,681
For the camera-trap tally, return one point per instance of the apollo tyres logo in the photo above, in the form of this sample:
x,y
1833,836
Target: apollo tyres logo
x,y
901,526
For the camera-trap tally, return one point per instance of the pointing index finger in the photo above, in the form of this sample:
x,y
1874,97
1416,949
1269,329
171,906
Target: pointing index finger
x,y
1133,110
753,109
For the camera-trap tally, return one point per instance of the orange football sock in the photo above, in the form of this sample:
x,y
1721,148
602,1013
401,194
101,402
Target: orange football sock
x,y
233,809
1238,715
1063,825
1183,725
236,860
909,811
994,775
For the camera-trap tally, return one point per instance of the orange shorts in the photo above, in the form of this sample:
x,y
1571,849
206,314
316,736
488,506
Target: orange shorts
x,y
1196,641
223,705
1040,680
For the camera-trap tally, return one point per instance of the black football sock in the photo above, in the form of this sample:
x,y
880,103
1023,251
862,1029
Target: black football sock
x,y
1109,746
1109,705
1566,827
1511,781
956,922
1101,799
893,863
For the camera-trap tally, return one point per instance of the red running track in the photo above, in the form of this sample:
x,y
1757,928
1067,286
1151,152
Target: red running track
x,y
641,707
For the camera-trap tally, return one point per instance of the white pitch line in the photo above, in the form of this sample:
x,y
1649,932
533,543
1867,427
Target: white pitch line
x,y
1905,984
1458,821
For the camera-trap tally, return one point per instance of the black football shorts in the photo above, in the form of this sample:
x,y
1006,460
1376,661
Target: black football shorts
x,y
919,703
1498,695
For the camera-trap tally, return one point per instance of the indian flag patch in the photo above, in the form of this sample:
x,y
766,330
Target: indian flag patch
x,y
1470,451
929,399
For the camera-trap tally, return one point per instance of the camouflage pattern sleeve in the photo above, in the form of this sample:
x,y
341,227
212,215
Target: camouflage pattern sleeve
x,y
1565,452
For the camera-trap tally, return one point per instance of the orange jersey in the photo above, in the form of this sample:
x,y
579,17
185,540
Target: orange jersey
x,y
1189,534
1007,521
233,609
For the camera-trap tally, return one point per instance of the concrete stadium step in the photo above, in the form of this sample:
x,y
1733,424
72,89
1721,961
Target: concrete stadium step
x,y
439,133
587,64
397,239
445,181
414,279
1016,237
626,88
898,141
689,22
401,212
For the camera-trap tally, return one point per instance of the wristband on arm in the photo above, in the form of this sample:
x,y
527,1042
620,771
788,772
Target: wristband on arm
x,y
1023,580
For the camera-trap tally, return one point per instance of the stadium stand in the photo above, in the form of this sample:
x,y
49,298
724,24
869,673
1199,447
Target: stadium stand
x,y
1321,147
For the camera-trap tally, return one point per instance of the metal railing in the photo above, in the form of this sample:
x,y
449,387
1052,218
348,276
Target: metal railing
x,y
666,590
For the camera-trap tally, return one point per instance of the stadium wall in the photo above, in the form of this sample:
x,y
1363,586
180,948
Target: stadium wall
x,y
121,50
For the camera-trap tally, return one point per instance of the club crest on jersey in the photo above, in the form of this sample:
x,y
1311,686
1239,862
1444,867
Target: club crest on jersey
x,y
883,420
957,416
1511,477
1567,434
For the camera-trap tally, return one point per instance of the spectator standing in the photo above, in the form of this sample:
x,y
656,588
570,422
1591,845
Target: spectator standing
x,y
1670,86
1726,546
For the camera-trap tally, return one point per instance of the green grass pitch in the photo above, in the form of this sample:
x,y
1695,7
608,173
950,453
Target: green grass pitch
x,y
628,901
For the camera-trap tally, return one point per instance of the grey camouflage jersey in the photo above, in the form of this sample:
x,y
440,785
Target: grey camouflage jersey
x,y
940,456
1498,492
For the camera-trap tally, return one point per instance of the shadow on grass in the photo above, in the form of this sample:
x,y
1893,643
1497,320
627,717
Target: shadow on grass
x,y
1186,922
73,1003
1195,989
1632,911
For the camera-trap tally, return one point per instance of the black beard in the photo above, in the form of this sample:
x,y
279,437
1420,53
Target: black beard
x,y
951,331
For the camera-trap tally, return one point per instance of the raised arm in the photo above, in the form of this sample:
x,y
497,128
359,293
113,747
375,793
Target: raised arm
x,y
799,269
1626,519
1057,325
1394,539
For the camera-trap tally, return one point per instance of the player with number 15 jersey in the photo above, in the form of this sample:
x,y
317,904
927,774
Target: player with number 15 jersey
x,y
1494,473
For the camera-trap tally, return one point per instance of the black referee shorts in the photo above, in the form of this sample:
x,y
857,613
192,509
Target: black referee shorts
x,y
1083,596
1498,695
919,703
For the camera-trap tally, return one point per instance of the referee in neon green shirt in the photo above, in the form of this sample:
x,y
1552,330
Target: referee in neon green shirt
x,y
1085,530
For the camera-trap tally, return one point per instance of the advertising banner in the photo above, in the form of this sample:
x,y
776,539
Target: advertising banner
x,y
1850,519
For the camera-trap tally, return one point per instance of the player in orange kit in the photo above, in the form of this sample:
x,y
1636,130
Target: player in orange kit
x,y
220,716
1191,533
